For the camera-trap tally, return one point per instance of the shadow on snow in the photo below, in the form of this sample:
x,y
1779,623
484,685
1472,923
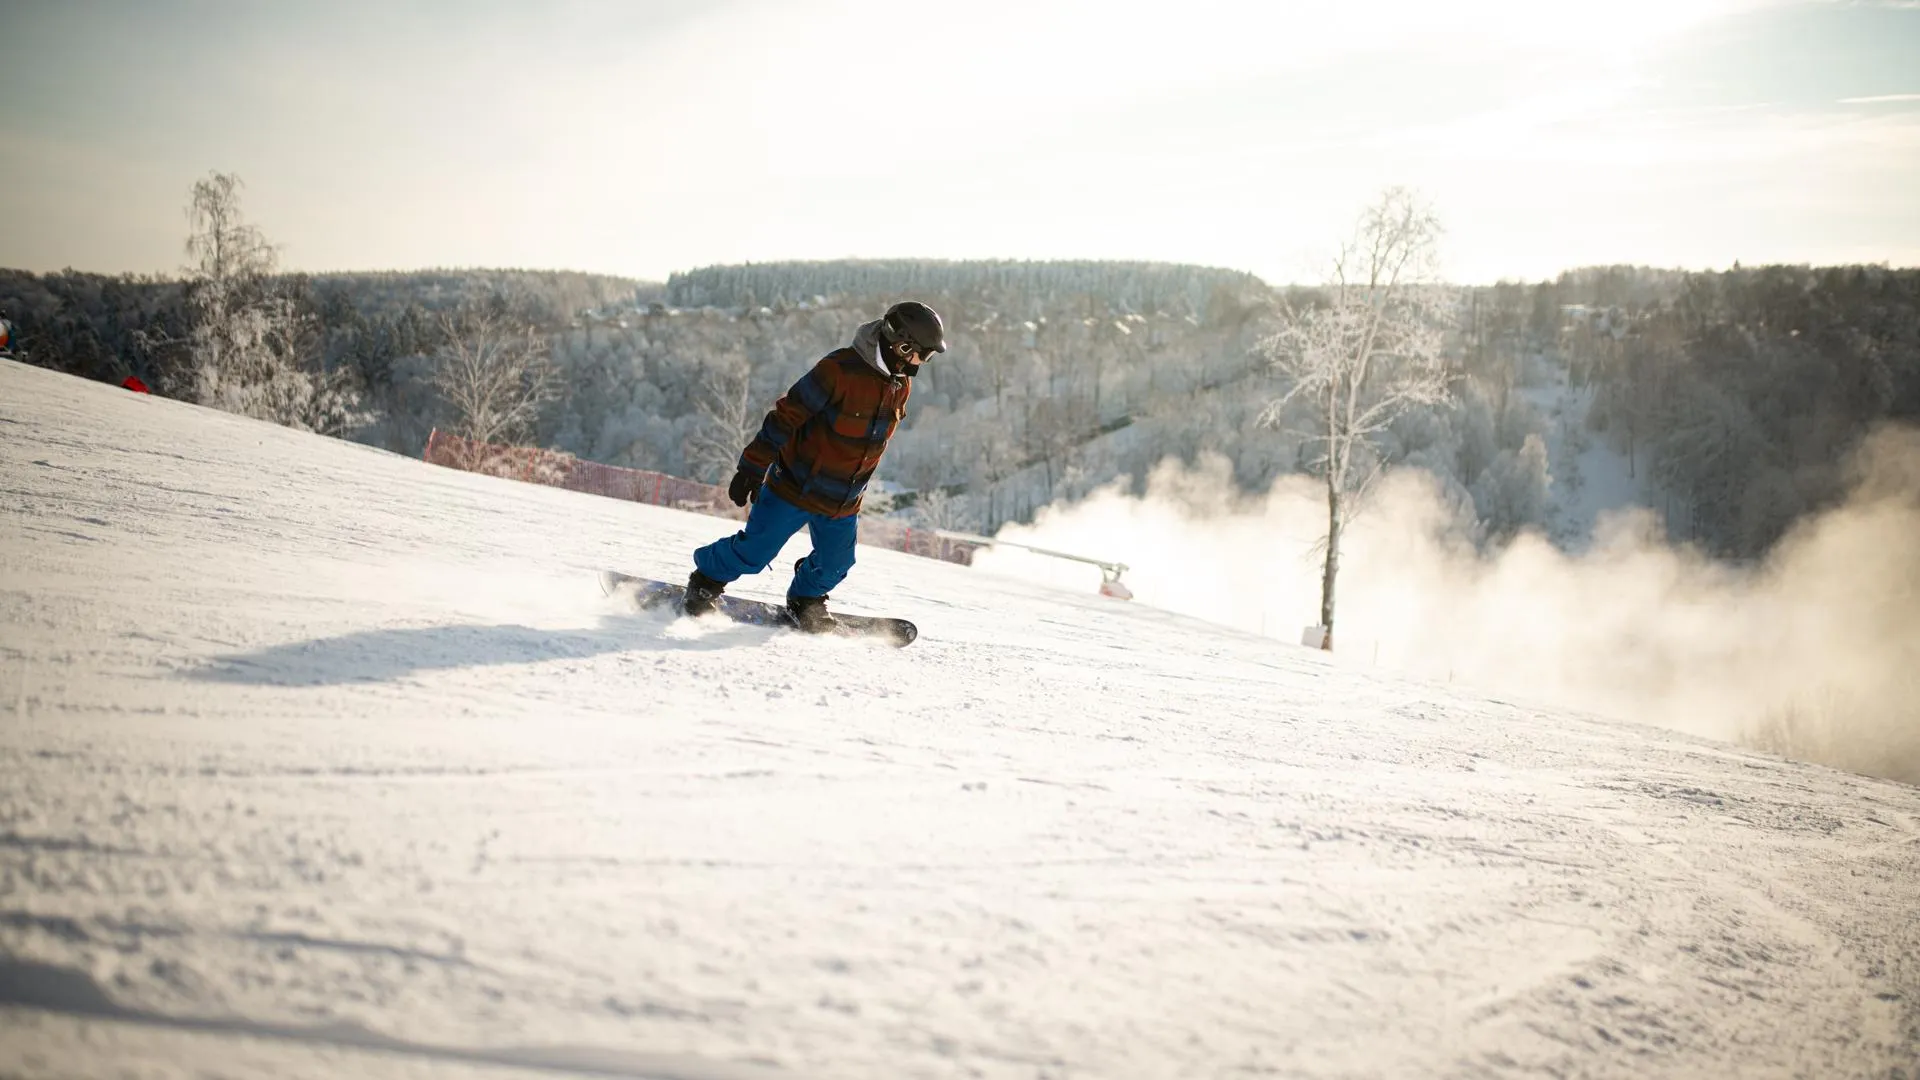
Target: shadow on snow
x,y
72,992
389,654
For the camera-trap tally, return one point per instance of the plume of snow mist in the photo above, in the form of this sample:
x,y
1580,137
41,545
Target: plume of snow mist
x,y
1814,652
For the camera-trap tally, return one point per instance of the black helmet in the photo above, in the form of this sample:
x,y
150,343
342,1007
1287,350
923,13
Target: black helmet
x,y
914,322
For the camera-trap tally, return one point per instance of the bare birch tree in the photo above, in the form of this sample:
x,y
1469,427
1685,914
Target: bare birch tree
x,y
1367,354
728,420
495,374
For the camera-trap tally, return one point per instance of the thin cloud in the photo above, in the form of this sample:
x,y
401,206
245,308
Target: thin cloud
x,y
1881,99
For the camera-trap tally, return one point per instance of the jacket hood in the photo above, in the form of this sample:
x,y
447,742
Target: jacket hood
x,y
866,342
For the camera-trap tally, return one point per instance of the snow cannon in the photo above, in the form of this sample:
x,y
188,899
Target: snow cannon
x,y
1110,584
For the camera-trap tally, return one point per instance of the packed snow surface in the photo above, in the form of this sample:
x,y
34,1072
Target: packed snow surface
x,y
321,761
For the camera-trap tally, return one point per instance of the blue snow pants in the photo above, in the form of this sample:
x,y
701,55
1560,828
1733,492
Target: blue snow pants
x,y
770,524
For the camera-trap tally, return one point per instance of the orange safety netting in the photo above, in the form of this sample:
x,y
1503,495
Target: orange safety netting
x,y
556,468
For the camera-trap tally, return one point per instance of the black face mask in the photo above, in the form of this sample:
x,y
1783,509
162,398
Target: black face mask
x,y
900,365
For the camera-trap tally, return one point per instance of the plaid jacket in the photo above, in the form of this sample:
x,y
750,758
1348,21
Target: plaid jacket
x,y
821,442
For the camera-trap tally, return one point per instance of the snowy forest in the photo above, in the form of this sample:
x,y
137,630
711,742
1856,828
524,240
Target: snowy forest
x,y
1733,398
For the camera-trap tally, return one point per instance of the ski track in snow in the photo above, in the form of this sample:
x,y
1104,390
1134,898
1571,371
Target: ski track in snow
x,y
321,761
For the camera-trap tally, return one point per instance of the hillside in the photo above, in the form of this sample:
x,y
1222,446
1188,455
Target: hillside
x,y
322,761
1733,404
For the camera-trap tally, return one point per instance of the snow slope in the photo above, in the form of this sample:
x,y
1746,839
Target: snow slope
x,y
1589,477
320,761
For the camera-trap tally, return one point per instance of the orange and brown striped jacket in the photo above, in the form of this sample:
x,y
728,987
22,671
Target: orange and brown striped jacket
x,y
820,444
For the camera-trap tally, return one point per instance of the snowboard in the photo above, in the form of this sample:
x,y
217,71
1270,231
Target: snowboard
x,y
648,595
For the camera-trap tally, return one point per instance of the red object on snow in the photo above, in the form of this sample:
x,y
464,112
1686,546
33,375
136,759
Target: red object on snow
x,y
133,383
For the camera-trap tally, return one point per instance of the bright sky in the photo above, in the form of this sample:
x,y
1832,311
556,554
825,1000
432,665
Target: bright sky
x,y
642,138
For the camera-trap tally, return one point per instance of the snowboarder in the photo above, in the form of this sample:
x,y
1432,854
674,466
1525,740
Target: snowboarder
x,y
811,462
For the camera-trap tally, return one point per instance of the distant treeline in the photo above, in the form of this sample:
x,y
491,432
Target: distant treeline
x,y
1738,395
111,326
1035,288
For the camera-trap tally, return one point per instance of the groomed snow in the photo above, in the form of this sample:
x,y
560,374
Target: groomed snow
x,y
320,761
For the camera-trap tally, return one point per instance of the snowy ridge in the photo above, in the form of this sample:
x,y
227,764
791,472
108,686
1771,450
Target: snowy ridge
x,y
319,761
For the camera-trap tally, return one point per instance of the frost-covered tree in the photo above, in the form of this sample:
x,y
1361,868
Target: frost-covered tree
x,y
1511,494
1368,352
939,509
253,349
728,419
494,374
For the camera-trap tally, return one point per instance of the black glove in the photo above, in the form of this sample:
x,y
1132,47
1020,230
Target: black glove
x,y
745,487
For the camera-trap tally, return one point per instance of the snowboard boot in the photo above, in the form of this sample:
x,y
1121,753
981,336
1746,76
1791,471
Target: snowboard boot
x,y
703,594
810,614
